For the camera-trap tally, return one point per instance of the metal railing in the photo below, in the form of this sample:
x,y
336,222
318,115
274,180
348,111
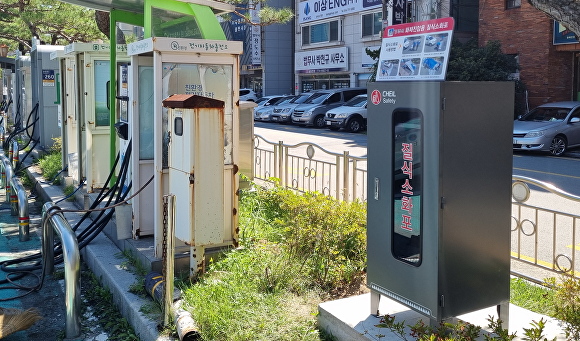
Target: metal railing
x,y
19,205
544,238
7,174
545,230
53,220
309,167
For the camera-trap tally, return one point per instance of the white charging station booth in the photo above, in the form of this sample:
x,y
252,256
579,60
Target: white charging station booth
x,y
67,112
23,81
161,67
45,92
87,112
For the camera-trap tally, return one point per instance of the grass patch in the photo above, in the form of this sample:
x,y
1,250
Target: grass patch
x,y
295,249
531,296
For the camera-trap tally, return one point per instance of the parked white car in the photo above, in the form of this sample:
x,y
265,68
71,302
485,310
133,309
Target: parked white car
x,y
351,116
248,95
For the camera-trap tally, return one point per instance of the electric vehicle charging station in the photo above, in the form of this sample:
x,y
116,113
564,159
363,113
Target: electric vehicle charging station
x,y
45,92
439,184
23,81
90,105
161,67
67,112
8,66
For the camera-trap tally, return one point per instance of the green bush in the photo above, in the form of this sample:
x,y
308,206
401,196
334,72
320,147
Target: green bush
x,y
327,236
50,165
566,304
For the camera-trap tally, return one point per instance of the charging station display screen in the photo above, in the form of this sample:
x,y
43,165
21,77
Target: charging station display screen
x,y
407,185
102,76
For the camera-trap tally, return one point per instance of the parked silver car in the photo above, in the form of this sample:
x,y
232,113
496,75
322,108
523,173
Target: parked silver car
x,y
352,115
551,127
312,111
263,112
283,113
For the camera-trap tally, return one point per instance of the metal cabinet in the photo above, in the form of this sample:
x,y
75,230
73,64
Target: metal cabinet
x,y
439,184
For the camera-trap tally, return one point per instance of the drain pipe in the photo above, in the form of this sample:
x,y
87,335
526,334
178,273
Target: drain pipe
x,y
72,261
22,207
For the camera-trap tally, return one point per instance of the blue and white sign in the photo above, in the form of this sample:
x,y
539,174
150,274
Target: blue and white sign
x,y
312,10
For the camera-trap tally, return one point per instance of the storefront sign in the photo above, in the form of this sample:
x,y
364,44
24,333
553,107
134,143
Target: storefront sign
x,y
312,10
415,51
324,60
562,35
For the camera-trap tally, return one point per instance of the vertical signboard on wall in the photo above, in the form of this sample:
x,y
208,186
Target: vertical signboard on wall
x,y
399,12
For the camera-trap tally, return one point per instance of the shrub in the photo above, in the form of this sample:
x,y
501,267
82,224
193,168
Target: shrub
x,y
327,236
566,304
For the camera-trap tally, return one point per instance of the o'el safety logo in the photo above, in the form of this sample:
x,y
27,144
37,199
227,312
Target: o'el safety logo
x,y
376,97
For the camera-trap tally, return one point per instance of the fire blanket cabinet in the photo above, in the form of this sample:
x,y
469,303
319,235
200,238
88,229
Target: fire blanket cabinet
x,y
439,188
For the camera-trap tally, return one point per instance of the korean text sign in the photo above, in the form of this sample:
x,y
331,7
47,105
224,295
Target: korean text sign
x,y
415,51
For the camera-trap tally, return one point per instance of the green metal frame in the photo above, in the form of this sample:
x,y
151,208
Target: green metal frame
x,y
206,20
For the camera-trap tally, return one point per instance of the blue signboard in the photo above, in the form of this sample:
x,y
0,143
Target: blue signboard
x,y
562,35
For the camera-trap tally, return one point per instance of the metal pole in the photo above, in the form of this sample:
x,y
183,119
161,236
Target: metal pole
x,y
15,154
8,177
22,204
170,257
72,261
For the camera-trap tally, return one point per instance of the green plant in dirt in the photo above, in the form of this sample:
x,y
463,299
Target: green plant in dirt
x,y
136,267
68,191
51,163
101,300
566,304
25,180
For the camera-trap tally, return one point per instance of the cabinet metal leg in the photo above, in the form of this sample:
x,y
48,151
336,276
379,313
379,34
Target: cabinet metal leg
x,y
503,313
375,300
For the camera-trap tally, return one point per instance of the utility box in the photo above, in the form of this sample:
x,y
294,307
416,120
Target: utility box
x,y
198,178
439,186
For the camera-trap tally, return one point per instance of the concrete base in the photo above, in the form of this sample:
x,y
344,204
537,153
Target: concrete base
x,y
349,319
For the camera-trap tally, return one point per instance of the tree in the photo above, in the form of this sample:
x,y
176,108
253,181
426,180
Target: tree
x,y
469,62
50,21
564,11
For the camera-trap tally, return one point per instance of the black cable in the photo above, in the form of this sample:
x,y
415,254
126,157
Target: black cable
x,y
91,231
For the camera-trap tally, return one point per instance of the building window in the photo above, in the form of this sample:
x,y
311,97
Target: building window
x,y
372,24
321,33
513,4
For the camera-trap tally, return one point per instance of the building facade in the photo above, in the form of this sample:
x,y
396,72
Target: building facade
x,y
332,36
330,42
548,69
